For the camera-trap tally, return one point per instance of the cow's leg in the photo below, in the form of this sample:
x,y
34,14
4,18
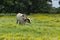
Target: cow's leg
x,y
17,21
22,22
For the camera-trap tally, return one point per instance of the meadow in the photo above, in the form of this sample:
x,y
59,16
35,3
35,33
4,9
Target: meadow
x,y
42,27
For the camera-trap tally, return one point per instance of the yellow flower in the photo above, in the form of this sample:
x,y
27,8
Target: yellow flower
x,y
38,39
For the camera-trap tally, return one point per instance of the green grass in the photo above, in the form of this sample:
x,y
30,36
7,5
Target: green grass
x,y
42,27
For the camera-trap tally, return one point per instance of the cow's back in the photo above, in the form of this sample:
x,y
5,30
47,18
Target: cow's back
x,y
19,16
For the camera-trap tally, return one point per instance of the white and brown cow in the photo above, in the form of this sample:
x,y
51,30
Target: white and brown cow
x,y
22,19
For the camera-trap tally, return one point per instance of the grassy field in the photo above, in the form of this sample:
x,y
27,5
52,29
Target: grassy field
x,y
42,27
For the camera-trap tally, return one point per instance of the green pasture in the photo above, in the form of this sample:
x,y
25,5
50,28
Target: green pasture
x,y
42,27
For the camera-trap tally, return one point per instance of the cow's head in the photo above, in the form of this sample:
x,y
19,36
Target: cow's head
x,y
27,20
